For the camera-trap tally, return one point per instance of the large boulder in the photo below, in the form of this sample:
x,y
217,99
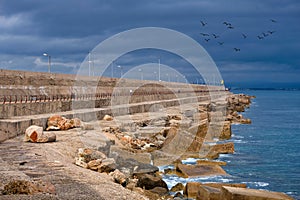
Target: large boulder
x,y
148,182
208,193
36,134
191,189
107,165
250,194
225,148
199,170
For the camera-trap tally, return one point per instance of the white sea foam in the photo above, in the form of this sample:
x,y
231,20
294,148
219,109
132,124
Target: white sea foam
x,y
190,161
239,141
162,168
237,136
225,155
257,184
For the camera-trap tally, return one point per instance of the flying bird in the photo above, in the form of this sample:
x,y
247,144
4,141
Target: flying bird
x,y
260,37
273,20
237,49
204,34
244,36
227,23
271,32
203,23
230,27
206,40
215,36
265,34
221,43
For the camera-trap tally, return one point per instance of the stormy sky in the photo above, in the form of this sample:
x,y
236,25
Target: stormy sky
x,y
258,46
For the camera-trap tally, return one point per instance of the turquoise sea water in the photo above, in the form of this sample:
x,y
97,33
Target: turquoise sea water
x,y
267,151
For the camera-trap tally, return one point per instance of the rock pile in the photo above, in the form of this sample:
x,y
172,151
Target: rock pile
x,y
235,104
127,172
94,160
57,122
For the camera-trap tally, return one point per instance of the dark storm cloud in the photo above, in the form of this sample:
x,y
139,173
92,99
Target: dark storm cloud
x,y
69,29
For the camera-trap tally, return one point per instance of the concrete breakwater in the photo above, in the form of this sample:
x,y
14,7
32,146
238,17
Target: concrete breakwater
x,y
160,124
28,98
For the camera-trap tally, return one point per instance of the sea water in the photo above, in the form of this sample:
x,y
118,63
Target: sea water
x,y
267,152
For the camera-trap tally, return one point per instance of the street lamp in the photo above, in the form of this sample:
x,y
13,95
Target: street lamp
x,y
49,61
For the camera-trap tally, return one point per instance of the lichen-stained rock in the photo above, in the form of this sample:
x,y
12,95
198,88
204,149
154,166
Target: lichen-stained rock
x,y
36,134
229,193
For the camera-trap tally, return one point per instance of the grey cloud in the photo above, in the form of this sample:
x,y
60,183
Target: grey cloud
x,y
69,29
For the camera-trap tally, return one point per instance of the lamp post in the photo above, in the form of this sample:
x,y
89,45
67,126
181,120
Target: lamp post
x,y
49,61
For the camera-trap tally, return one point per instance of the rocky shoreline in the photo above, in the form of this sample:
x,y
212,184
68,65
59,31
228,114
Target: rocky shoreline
x,y
129,148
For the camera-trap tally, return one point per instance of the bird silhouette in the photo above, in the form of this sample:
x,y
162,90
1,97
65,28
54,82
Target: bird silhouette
x,y
215,36
206,40
273,20
265,34
227,23
230,27
260,37
237,49
203,23
221,43
244,36
271,32
204,34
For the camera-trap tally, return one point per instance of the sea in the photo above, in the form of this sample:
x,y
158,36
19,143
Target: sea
x,y
267,152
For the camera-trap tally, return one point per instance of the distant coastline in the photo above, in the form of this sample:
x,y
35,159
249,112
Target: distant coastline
x,y
282,89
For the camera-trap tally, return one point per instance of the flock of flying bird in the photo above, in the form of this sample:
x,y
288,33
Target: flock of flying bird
x,y
228,25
